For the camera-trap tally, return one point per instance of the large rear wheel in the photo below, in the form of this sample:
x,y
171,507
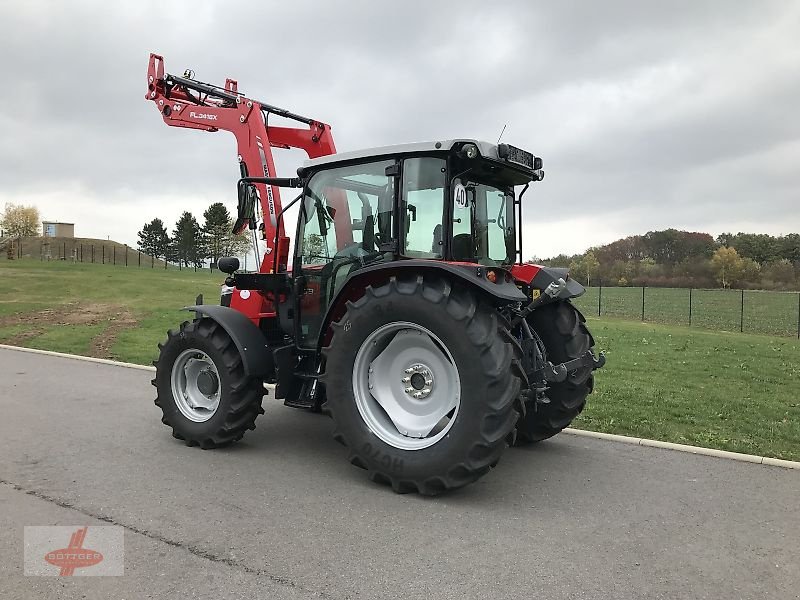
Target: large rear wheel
x,y
422,383
562,329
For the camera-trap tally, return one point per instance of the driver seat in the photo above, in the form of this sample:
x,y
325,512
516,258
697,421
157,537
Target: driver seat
x,y
463,248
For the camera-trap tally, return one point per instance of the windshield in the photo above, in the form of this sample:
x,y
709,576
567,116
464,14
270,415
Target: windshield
x,y
483,222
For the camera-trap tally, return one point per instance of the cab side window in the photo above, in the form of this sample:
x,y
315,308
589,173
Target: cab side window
x,y
424,181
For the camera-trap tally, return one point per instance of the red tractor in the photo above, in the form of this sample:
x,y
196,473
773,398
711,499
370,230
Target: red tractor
x,y
404,311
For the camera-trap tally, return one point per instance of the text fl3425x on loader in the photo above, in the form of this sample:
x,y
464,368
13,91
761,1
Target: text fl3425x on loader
x,y
405,311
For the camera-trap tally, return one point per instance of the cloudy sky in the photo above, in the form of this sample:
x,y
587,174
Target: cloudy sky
x,y
648,114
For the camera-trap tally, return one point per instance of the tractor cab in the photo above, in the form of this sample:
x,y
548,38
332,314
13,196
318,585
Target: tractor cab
x,y
450,201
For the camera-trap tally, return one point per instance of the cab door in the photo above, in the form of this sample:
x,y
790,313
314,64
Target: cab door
x,y
345,223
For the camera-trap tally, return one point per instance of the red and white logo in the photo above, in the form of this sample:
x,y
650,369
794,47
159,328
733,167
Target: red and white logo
x,y
68,551
74,556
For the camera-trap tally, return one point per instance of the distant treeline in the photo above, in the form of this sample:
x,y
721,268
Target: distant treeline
x,y
673,258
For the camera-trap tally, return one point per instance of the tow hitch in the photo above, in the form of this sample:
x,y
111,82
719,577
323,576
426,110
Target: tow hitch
x,y
558,373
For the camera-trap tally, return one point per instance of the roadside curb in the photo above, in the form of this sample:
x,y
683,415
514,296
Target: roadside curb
x,y
738,456
102,361
610,437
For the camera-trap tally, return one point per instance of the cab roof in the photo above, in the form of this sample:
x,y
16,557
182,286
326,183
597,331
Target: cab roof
x,y
486,149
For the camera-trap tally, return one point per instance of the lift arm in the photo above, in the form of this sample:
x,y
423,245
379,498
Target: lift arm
x,y
185,102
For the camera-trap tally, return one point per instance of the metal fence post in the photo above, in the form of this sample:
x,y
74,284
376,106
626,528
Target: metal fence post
x,y
114,250
690,307
600,298
643,304
92,253
126,255
104,254
741,315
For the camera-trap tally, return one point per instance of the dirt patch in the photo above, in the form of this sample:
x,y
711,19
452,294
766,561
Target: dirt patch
x,y
101,344
116,317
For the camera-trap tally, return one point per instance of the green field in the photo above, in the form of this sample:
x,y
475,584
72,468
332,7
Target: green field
x,y
773,313
98,310
731,391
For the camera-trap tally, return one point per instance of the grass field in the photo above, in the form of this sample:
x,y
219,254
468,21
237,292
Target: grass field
x,y
773,313
731,391
98,310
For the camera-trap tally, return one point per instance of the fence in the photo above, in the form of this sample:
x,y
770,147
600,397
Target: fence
x,y
75,250
774,313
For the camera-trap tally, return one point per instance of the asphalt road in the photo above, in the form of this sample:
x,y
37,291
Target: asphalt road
x,y
282,514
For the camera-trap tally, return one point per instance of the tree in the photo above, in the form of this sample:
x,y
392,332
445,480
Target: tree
x,y
153,239
727,265
584,267
236,244
761,247
779,274
750,274
216,229
20,221
186,245
790,247
218,234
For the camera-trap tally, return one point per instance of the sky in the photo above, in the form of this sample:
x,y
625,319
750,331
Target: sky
x,y
647,115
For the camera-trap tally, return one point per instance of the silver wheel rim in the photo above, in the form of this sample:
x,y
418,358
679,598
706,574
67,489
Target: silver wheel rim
x,y
193,377
406,386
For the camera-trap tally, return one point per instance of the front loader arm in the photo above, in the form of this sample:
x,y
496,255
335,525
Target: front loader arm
x,y
184,102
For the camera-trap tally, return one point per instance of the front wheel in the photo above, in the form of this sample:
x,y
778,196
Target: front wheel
x,y
422,382
202,389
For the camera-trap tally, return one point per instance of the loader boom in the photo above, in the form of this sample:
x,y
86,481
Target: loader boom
x,y
185,102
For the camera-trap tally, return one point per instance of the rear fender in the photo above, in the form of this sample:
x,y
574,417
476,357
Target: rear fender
x,y
503,292
252,345
540,277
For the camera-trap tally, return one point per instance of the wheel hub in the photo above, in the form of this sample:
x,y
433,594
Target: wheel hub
x,y
207,382
406,385
418,381
195,385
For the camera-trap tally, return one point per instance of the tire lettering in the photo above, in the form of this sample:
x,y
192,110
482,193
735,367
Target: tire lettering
x,y
394,465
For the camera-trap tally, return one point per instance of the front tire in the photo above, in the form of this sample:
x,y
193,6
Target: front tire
x,y
202,389
422,382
